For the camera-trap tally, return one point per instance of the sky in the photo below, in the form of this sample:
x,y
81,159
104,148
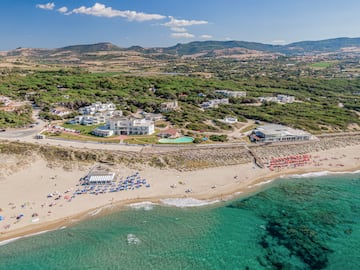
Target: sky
x,y
163,23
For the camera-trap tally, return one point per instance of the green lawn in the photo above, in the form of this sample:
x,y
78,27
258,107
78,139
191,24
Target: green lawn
x,y
68,136
84,130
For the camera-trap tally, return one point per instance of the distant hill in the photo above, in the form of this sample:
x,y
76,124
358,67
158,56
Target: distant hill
x,y
328,45
104,46
208,46
194,49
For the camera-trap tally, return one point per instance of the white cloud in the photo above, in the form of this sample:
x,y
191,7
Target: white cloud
x,y
182,23
63,9
100,10
206,36
48,6
182,35
178,29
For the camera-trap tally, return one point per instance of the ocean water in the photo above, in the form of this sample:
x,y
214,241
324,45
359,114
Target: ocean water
x,y
293,223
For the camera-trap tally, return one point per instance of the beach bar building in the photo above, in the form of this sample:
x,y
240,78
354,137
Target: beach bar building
x,y
98,178
278,133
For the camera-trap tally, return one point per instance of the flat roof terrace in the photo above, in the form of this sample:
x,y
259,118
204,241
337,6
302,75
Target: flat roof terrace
x,y
99,177
278,133
280,130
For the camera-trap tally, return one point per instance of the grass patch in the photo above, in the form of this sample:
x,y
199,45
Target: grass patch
x,y
322,64
68,136
161,124
84,130
151,139
249,128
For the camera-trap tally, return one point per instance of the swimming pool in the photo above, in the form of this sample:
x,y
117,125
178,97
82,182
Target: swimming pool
x,y
184,139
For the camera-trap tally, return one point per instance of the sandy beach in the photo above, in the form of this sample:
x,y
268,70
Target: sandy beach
x,y
25,185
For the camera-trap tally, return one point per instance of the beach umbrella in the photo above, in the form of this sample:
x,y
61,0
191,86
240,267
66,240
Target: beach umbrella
x,y
1,218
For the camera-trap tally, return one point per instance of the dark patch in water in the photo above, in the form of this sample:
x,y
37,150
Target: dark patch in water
x,y
299,240
299,220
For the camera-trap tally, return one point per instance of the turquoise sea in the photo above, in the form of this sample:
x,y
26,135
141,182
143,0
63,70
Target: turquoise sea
x,y
294,223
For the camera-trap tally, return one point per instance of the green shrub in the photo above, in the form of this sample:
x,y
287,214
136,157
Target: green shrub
x,y
197,140
218,138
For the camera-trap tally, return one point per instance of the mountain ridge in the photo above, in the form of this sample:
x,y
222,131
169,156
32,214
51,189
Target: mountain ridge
x,y
326,45
203,47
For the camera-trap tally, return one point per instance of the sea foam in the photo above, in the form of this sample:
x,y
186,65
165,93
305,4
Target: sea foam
x,y
263,183
132,239
8,241
318,174
187,202
95,212
143,205
5,242
307,175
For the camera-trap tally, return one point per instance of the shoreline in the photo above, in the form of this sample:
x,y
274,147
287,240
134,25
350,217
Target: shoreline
x,y
211,184
73,220
121,205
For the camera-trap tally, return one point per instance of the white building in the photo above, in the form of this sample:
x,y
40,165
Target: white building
x,y
103,131
214,103
153,116
95,119
285,98
278,99
97,107
233,94
169,106
278,133
60,111
5,100
268,99
130,126
230,120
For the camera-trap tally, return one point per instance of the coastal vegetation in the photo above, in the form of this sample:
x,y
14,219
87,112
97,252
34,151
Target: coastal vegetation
x,y
316,110
18,118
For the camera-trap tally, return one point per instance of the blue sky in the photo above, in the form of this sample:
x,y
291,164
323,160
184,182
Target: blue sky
x,y
161,23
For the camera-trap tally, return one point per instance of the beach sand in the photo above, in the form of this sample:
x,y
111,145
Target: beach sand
x,y
24,188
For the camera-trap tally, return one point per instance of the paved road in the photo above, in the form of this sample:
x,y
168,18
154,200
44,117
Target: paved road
x,y
25,132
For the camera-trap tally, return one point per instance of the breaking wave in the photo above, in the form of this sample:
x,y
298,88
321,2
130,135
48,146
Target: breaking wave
x,y
143,205
187,202
319,174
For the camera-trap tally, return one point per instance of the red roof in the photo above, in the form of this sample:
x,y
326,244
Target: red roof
x,y
169,131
